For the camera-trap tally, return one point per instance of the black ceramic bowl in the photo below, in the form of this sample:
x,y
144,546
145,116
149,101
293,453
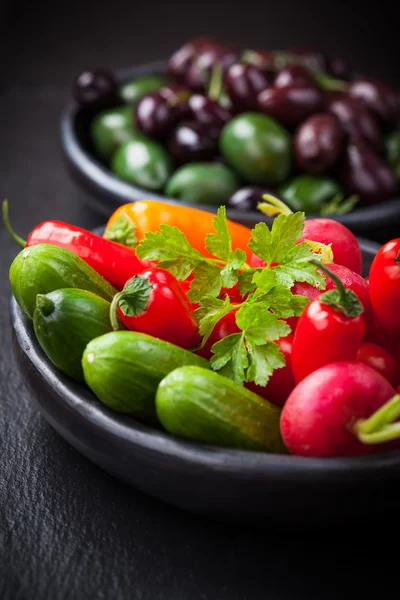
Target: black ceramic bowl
x,y
273,491
109,191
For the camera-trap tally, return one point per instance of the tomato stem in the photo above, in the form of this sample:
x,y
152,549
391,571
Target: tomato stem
x,y
6,220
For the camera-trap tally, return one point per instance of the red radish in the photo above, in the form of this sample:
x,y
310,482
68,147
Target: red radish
x,y
319,416
281,382
345,248
379,359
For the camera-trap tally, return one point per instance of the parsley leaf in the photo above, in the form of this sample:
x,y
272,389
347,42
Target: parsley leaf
x,y
171,248
231,353
220,244
259,324
273,245
207,281
263,361
246,283
210,312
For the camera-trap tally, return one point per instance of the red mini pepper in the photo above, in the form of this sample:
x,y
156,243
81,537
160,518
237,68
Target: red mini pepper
x,y
330,329
384,286
114,262
154,302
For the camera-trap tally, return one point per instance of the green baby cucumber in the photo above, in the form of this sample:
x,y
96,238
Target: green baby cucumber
x,y
202,405
65,321
43,268
124,368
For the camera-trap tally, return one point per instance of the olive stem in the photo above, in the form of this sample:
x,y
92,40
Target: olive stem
x,y
6,220
215,87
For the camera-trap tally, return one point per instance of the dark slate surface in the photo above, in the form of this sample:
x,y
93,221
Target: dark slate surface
x,y
68,530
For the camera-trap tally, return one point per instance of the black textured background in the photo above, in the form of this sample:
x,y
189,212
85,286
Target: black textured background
x,y
68,530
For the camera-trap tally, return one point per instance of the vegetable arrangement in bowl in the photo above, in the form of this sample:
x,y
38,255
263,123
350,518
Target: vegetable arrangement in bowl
x,y
266,339
225,125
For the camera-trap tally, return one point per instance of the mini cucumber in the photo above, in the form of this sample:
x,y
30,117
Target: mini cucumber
x,y
43,268
202,405
65,321
124,368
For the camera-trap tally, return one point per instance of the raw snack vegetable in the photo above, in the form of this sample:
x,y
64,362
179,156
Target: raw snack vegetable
x,y
154,302
384,286
65,321
124,368
45,268
130,222
113,261
330,329
195,403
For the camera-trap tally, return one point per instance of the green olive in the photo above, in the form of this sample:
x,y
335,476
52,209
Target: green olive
x,y
111,128
202,183
309,193
142,162
131,91
392,146
257,147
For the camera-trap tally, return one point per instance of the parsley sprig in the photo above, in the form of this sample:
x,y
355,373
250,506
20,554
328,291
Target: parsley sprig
x,y
252,354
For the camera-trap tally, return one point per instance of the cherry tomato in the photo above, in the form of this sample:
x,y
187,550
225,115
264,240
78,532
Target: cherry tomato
x,y
384,286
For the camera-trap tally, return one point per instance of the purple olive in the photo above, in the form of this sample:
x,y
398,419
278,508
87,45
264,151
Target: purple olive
x,y
190,142
365,174
246,198
379,97
294,75
198,74
156,115
318,143
338,68
181,60
243,84
311,58
354,117
209,113
290,105
95,89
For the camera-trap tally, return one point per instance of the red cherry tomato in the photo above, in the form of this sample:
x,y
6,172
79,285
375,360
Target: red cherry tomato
x,y
379,359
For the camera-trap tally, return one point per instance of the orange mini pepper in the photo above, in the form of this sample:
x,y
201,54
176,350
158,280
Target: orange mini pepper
x,y
129,223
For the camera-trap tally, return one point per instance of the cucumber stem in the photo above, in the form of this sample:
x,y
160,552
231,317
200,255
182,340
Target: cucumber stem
x,y
6,220
44,305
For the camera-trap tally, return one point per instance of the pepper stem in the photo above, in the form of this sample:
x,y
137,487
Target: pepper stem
x,y
380,426
114,319
339,285
6,220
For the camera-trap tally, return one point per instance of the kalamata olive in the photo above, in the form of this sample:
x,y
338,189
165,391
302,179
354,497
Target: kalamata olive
x,y
338,68
379,97
290,105
198,74
262,59
318,143
294,75
156,116
365,174
95,89
181,60
209,113
354,117
314,59
246,198
243,84
190,142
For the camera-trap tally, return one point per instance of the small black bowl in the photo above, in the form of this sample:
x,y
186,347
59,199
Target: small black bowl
x,y
108,191
266,490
